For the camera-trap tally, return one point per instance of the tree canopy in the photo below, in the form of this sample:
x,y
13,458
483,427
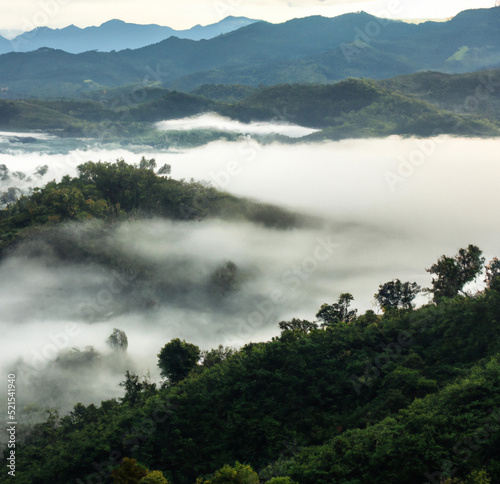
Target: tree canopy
x,y
396,294
177,358
338,312
452,273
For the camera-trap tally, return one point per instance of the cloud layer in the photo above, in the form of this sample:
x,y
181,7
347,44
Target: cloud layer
x,y
390,208
220,123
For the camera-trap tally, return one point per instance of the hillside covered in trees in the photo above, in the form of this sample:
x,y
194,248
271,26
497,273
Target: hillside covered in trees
x,y
116,191
408,395
417,105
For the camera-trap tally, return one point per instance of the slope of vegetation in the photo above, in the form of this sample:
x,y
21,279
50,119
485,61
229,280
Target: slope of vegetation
x,y
225,93
471,93
113,191
409,396
356,108
406,396
350,108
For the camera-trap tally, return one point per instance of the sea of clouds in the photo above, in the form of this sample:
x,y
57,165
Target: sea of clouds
x,y
387,208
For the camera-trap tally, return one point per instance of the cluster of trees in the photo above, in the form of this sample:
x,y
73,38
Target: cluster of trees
x,y
178,359
112,191
131,472
450,276
409,395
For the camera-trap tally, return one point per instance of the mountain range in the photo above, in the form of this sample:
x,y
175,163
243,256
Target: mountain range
x,y
307,50
113,35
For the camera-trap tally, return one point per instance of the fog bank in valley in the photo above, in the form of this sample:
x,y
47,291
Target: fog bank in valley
x,y
220,123
388,208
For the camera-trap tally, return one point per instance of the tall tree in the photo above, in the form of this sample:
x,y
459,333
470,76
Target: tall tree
x,y
452,273
299,325
492,278
154,477
338,312
118,340
239,474
177,359
216,356
396,294
136,389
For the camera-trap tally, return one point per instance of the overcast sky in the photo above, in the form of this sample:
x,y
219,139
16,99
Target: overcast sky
x,y
27,14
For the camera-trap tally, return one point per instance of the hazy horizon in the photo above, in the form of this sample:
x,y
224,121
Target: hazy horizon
x,y
19,18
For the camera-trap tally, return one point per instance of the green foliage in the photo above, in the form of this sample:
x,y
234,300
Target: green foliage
x,y
225,93
216,356
383,399
129,472
453,91
297,325
418,105
239,474
418,443
452,273
395,294
154,477
492,278
177,358
136,390
109,191
338,312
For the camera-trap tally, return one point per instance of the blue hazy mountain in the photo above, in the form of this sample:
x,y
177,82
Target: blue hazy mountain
x,y
5,45
114,35
306,50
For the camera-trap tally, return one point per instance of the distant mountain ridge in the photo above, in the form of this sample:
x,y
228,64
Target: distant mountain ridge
x,y
306,50
113,35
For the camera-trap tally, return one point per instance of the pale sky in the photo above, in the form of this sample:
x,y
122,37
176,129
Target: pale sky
x,y
27,14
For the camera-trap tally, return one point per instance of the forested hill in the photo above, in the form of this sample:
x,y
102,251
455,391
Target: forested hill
x,y
115,191
312,49
469,93
351,108
409,396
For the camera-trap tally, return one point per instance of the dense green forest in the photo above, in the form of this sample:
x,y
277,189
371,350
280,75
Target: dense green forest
x,y
408,395
350,108
116,191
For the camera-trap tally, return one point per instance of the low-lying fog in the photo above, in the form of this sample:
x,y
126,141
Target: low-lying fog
x,y
212,121
390,208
